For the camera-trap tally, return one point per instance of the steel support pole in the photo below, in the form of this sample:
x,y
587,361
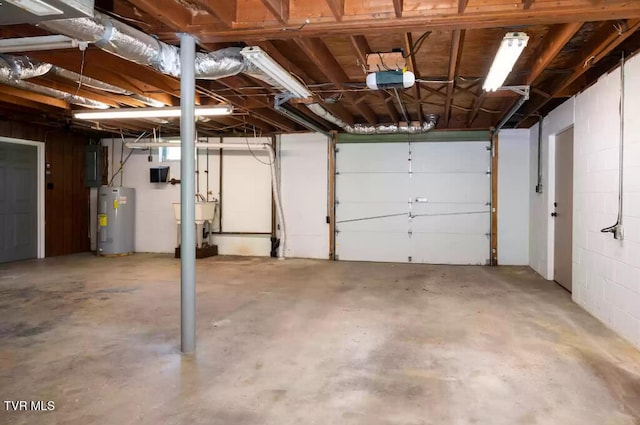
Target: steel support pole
x,y
187,194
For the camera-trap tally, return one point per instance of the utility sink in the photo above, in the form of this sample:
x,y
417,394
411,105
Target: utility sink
x,y
205,211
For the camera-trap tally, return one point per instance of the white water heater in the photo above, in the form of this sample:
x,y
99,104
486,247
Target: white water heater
x,y
116,220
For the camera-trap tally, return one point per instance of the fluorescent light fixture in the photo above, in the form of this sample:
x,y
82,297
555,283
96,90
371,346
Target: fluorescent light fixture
x,y
510,49
36,7
170,112
261,60
31,44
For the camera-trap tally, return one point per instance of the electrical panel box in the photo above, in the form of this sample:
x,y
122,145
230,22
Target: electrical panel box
x,y
93,166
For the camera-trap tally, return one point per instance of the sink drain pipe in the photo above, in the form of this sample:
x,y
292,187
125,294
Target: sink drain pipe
x,y
275,186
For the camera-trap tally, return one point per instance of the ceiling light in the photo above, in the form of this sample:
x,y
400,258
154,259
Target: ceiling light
x,y
170,112
30,44
36,7
277,73
510,49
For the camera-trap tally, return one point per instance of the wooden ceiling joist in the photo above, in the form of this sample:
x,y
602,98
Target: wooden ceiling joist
x,y
172,13
398,8
457,41
337,8
411,62
33,97
279,9
225,11
322,57
553,44
589,56
484,16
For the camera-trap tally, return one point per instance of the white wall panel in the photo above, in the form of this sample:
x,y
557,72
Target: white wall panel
x,y
303,175
246,188
513,197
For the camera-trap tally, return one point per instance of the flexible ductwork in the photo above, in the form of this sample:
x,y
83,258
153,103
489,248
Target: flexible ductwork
x,y
102,86
428,125
13,71
16,68
134,45
21,67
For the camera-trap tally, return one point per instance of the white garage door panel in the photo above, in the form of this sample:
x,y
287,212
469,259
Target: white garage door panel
x,y
463,223
372,157
450,157
451,188
373,246
362,217
377,186
450,248
370,187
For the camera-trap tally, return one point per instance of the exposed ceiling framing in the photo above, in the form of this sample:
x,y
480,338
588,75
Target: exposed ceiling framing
x,y
449,45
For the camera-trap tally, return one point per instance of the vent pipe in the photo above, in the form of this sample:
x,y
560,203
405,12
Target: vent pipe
x,y
13,70
134,45
428,125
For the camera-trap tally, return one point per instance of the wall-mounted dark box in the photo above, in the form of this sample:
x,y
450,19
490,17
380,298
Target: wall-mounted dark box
x,y
159,174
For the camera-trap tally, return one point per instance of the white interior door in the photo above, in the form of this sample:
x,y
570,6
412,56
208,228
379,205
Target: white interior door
x,y
413,202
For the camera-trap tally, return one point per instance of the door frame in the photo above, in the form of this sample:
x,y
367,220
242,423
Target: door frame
x,y
40,180
551,195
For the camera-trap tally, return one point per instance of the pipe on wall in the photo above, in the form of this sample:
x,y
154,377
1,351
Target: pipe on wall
x,y
617,229
275,186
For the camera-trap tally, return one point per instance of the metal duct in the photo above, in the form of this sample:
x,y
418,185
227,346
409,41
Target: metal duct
x,y
58,94
14,69
21,67
136,46
428,125
100,85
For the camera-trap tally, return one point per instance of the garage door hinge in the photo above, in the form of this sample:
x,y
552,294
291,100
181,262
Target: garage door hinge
x,y
337,173
410,259
488,147
487,234
488,173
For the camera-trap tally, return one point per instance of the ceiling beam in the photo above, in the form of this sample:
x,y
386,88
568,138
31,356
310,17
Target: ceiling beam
x,y
279,9
322,57
483,16
33,97
398,8
172,13
27,103
337,8
132,77
408,41
457,41
589,56
462,6
225,11
552,45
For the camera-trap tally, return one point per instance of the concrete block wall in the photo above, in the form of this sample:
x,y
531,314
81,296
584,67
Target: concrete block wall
x,y
606,272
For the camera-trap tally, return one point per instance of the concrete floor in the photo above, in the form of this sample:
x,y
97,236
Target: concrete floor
x,y
306,342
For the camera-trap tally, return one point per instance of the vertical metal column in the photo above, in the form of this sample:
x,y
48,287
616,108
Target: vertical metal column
x,y
187,194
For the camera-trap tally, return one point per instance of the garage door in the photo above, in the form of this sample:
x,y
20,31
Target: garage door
x,y
424,202
18,202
